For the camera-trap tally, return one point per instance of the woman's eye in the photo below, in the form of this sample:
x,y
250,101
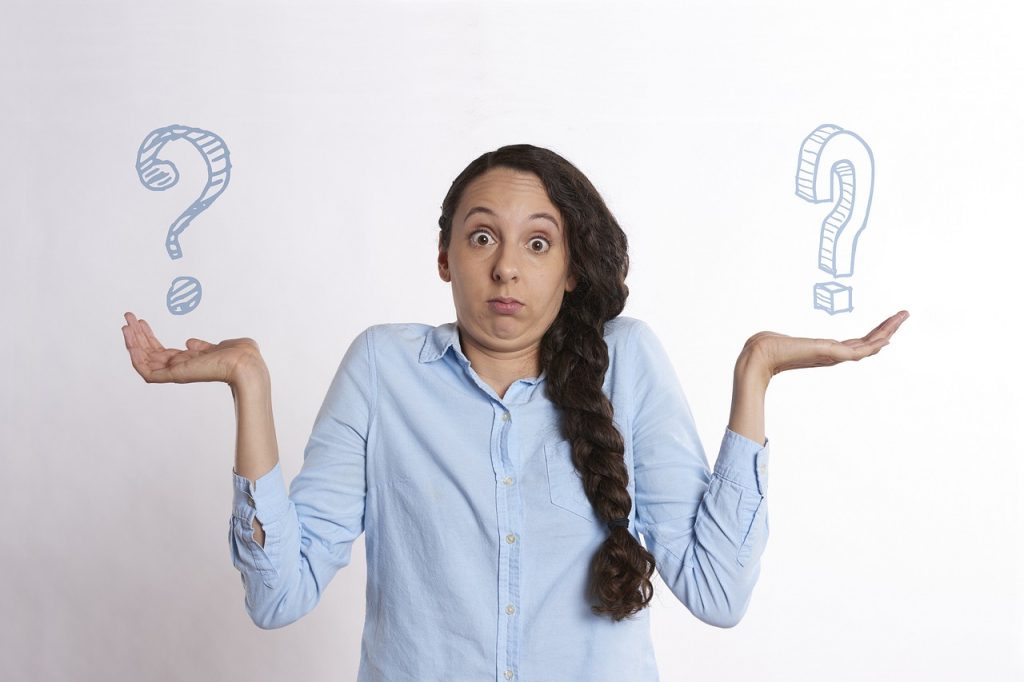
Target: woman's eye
x,y
475,238
544,245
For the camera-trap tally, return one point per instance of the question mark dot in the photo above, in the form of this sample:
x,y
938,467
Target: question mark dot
x,y
183,295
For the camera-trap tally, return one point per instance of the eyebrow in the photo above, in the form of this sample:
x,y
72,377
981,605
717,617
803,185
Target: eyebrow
x,y
533,216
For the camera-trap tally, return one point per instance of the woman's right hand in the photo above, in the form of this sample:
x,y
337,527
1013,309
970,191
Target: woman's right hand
x,y
201,361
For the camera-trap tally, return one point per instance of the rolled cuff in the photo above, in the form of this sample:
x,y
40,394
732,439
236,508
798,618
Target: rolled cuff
x,y
267,498
743,461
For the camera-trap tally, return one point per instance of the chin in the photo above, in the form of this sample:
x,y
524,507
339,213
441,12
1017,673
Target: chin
x,y
507,327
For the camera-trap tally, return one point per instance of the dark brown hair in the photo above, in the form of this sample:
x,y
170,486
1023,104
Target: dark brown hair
x,y
575,356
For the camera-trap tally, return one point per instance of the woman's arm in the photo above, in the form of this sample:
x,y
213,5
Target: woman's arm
x,y
706,528
749,384
304,535
256,439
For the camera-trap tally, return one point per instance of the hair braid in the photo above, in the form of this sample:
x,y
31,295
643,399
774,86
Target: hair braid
x,y
576,357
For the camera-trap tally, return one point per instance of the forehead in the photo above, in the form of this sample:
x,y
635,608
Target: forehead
x,y
505,189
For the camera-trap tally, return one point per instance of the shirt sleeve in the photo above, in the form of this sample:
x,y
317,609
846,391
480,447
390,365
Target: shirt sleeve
x,y
706,530
309,532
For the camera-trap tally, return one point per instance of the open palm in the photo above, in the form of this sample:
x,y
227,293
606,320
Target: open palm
x,y
779,352
201,361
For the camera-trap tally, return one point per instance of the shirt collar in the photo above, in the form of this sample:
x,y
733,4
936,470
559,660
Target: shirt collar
x,y
445,336
439,340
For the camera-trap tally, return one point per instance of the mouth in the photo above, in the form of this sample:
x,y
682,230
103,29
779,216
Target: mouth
x,y
505,305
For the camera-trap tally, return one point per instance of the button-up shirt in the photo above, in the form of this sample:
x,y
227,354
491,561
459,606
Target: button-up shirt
x,y
479,534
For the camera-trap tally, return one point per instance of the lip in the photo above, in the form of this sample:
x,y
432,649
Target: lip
x,y
504,306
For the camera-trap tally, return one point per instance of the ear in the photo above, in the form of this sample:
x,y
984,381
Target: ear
x,y
570,282
442,264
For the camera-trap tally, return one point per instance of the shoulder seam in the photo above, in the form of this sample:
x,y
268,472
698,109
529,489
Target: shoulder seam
x,y
372,359
630,347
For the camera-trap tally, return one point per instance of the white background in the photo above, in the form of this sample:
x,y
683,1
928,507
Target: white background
x,y
895,503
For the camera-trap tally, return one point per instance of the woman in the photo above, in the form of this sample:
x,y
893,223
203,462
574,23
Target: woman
x,y
504,466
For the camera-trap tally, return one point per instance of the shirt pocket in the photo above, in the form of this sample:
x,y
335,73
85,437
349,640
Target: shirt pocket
x,y
564,482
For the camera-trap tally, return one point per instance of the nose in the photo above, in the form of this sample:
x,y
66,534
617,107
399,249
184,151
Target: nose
x,y
505,267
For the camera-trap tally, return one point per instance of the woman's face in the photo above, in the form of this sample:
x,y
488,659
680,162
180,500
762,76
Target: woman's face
x,y
507,241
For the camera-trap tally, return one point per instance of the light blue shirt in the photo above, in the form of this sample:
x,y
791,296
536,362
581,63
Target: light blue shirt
x,y
478,532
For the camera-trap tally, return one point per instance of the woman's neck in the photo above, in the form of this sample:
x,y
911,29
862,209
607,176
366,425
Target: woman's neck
x,y
501,370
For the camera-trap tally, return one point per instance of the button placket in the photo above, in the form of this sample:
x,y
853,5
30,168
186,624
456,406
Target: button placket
x,y
762,470
510,517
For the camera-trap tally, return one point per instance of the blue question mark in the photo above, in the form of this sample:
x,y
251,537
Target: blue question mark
x,y
158,175
836,165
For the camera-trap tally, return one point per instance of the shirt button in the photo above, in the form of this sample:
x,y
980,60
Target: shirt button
x,y
510,609
505,417
509,674
249,501
507,480
510,538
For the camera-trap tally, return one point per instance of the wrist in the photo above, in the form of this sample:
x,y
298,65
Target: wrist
x,y
750,383
249,374
752,367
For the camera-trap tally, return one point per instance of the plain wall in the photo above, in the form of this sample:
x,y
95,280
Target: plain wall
x,y
894,501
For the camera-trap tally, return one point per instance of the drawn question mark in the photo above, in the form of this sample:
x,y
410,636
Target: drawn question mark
x,y
158,175
836,165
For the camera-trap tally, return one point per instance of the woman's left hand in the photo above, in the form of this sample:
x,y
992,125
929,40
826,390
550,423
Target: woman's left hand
x,y
777,352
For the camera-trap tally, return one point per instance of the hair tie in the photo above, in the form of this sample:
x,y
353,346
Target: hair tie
x,y
618,523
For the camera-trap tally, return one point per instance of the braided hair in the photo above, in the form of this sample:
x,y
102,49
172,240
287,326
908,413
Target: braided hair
x,y
575,356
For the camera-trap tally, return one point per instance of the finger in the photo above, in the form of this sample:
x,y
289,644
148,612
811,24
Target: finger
x,y
129,332
139,356
151,337
890,327
138,333
878,345
877,329
135,343
900,318
872,348
149,357
887,328
882,328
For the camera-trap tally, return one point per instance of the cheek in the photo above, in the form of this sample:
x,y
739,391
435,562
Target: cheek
x,y
553,277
